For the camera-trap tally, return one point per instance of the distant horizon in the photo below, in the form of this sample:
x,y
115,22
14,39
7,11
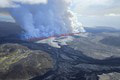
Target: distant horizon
x,y
89,13
85,20
10,19
93,21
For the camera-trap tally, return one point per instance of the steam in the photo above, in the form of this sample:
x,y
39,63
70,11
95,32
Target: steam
x,y
45,18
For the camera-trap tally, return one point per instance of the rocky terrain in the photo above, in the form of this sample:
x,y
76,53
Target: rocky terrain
x,y
96,45
86,56
9,28
17,62
110,76
73,64
111,41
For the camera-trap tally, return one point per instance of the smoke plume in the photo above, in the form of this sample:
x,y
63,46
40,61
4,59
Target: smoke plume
x,y
42,18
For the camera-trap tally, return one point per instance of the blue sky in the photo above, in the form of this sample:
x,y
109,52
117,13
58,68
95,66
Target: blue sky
x,y
90,13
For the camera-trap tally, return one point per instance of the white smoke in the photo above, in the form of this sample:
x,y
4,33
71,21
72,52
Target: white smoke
x,y
42,18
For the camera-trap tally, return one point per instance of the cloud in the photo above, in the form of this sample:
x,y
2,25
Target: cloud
x,y
31,1
5,3
12,3
112,14
98,12
97,7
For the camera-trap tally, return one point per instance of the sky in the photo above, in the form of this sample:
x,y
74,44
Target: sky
x,y
91,13
98,12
